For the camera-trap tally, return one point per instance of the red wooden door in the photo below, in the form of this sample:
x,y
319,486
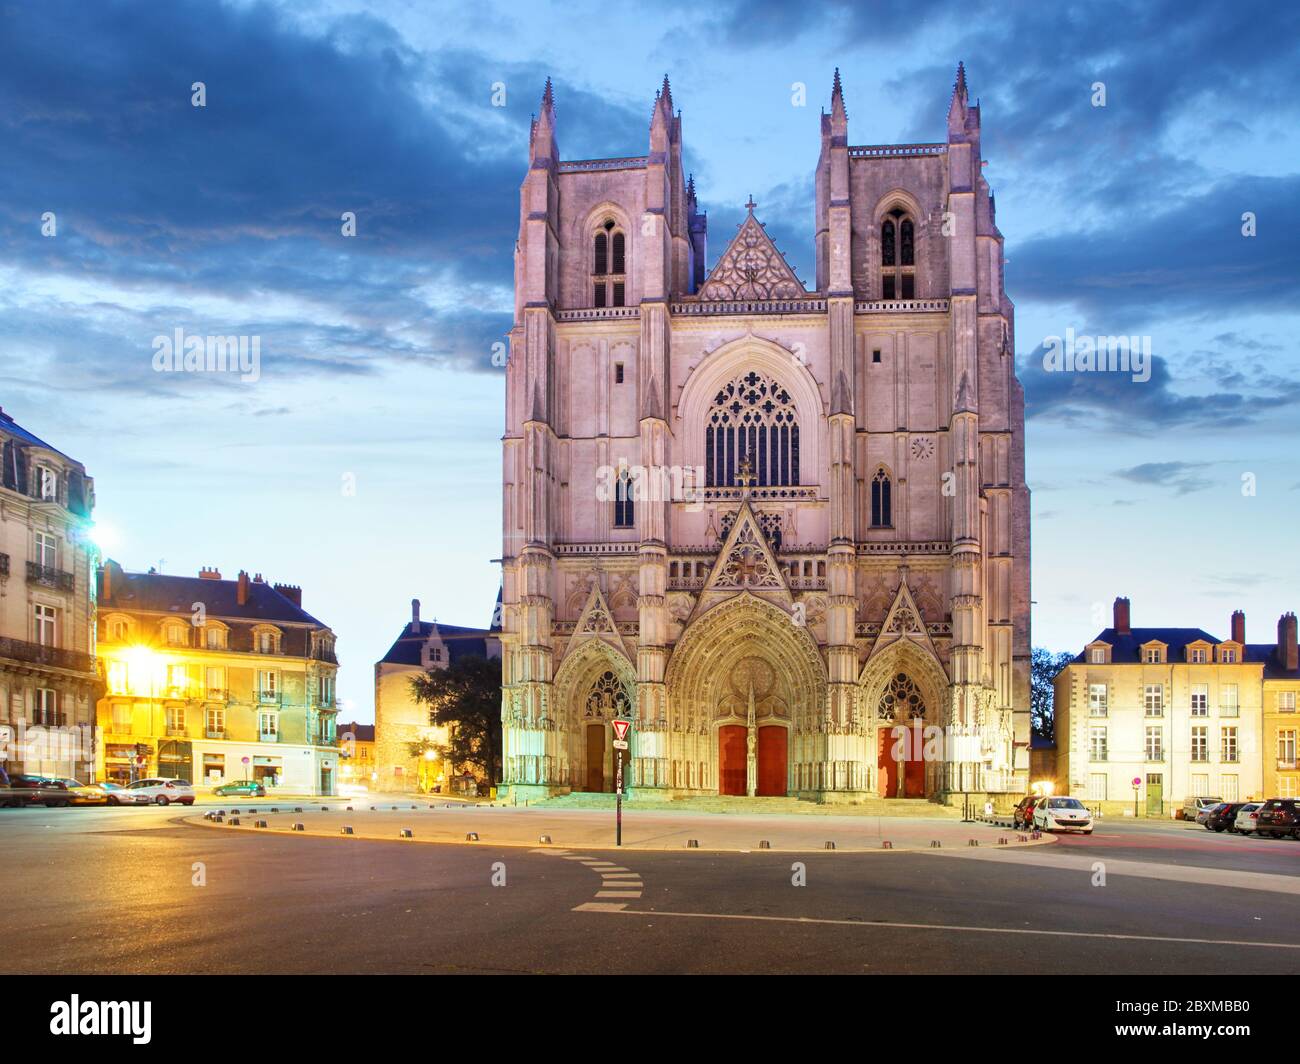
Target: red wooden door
x,y
732,756
596,758
772,760
887,765
914,774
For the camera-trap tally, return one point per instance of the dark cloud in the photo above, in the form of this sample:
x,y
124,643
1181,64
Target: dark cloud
x,y
1182,477
1117,400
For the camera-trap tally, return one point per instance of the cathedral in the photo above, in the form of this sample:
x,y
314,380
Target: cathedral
x,y
783,531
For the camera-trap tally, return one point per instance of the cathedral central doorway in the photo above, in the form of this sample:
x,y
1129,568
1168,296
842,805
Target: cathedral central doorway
x,y
901,737
733,757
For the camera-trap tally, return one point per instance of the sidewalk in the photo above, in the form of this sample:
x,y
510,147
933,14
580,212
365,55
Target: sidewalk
x,y
586,829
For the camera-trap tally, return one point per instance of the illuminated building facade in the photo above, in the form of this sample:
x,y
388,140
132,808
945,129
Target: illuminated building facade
x,y
214,681
47,607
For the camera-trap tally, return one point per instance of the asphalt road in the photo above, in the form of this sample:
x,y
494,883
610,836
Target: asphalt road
x,y
136,890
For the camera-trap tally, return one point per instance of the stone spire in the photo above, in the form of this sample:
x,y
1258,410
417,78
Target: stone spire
x,y
839,116
542,142
960,100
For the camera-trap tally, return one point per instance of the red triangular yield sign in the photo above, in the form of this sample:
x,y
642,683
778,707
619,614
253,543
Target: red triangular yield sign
x,y
621,728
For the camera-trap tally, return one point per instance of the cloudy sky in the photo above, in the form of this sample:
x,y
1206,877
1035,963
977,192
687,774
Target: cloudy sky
x,y
364,462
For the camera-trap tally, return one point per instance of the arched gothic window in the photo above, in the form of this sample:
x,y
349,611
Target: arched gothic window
x,y
752,417
901,700
624,513
609,263
608,698
882,509
897,256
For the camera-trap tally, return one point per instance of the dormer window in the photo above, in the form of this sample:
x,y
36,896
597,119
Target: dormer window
x,y
1198,655
897,256
1153,655
609,264
1228,655
175,635
266,641
214,637
46,483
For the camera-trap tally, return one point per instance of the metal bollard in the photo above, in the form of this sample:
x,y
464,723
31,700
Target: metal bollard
x,y
406,833
346,829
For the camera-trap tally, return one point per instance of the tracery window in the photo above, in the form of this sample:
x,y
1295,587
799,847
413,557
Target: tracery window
x,y
608,698
752,417
882,508
901,700
624,514
898,256
609,264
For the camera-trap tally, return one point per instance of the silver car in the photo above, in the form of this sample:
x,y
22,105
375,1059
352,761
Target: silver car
x,y
1247,818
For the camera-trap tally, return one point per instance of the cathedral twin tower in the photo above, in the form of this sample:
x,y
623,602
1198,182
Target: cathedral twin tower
x,y
785,532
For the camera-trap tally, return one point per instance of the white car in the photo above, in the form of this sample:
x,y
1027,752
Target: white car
x,y
164,791
1247,818
1062,814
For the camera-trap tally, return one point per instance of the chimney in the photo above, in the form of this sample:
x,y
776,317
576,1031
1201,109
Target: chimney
x,y
415,616
1286,643
241,593
258,579
209,574
1121,617
110,576
1239,627
290,591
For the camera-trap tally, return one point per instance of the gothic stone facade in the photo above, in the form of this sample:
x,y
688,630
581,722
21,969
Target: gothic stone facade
x,y
777,528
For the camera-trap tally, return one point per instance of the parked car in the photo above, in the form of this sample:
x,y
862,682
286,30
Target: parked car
x,y
1062,814
1247,818
162,791
1022,816
1222,816
37,790
251,788
1194,808
1279,817
79,793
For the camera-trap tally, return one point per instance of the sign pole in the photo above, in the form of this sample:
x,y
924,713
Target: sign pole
x,y
621,728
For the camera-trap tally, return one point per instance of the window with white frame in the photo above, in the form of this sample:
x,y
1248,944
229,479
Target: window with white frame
x,y
1153,699
175,719
1286,745
326,690
1286,701
268,642
216,721
1201,743
1098,656
1228,655
1200,700
214,678
268,685
214,637
1152,656
1097,744
1229,744
118,678
1228,700
47,483
47,707
47,550
176,635
177,681
1155,743
1097,700
118,630
268,723
45,624
1198,656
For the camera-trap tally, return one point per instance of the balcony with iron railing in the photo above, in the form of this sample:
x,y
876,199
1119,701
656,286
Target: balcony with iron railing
x,y
268,737
39,654
49,576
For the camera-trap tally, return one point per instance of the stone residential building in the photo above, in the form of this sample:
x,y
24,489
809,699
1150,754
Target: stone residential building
x,y
215,680
776,527
399,719
1177,709
357,754
47,607
1281,727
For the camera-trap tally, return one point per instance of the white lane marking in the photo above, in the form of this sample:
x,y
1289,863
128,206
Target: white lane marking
x,y
600,907
963,927
618,894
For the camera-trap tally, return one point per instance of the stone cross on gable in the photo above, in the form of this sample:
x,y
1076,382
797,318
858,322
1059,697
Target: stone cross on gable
x,y
751,204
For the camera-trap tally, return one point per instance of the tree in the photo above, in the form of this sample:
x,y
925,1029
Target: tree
x,y
1043,667
465,697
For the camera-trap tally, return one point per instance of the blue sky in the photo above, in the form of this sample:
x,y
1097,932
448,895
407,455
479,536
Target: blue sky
x,y
376,349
